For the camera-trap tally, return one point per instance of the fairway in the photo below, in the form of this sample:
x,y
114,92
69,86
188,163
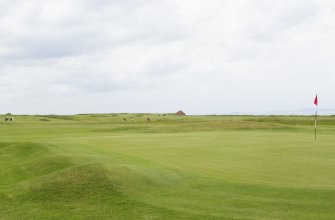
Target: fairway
x,y
189,167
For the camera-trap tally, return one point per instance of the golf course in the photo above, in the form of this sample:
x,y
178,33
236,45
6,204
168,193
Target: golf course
x,y
165,167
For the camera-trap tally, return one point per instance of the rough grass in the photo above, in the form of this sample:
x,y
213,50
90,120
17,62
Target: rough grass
x,y
194,167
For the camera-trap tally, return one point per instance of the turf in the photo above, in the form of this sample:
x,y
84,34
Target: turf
x,y
193,167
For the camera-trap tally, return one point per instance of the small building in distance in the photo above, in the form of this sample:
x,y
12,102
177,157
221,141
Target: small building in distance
x,y
180,113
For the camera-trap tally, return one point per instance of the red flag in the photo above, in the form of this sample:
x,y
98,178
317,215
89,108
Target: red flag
x,y
316,100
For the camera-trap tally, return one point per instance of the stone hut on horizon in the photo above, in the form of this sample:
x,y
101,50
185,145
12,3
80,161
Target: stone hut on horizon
x,y
180,113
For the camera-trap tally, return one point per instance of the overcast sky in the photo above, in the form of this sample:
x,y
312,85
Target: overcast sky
x,y
201,56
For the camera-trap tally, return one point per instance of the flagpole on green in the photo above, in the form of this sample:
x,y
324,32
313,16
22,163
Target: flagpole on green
x,y
316,113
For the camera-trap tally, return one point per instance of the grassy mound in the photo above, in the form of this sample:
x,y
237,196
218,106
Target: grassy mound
x,y
41,184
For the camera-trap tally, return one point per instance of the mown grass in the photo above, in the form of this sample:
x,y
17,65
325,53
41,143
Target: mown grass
x,y
194,167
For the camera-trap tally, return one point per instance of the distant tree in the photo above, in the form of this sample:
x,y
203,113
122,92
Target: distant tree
x,y
8,113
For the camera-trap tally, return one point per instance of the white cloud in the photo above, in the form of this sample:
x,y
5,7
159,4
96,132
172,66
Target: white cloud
x,y
214,56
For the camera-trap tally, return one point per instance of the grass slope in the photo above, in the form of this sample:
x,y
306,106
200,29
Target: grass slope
x,y
194,167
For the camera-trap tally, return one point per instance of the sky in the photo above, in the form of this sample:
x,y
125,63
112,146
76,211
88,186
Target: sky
x,y
201,56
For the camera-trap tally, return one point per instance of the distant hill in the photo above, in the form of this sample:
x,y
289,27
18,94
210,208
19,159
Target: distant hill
x,y
306,111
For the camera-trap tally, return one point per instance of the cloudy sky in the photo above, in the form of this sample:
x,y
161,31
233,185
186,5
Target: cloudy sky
x,y
202,56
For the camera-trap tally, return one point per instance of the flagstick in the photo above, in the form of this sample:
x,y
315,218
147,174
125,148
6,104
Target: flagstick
x,y
316,113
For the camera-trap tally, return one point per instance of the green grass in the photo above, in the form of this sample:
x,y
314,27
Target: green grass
x,y
193,167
